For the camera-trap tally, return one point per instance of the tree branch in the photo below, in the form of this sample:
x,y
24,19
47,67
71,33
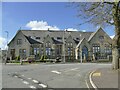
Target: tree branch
x,y
111,23
112,3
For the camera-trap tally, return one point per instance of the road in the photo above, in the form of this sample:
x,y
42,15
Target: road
x,y
47,75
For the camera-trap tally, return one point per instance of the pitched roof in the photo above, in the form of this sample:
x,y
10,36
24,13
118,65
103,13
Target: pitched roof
x,y
32,41
55,34
76,41
93,34
56,41
80,42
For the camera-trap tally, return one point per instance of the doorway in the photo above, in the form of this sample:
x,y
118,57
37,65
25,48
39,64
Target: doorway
x,y
84,52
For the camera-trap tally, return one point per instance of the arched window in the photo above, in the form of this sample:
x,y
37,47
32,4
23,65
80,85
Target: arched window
x,y
70,48
48,48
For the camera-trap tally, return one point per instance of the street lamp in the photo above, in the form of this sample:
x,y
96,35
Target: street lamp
x,y
7,44
7,35
64,46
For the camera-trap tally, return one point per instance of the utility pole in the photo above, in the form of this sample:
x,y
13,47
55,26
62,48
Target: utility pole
x,y
7,46
7,35
64,47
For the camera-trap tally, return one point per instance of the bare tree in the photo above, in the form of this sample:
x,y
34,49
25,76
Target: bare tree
x,y
103,14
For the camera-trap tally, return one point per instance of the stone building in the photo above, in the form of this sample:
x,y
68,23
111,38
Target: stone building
x,y
75,45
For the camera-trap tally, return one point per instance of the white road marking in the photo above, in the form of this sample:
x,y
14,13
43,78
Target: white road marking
x,y
78,75
35,81
29,78
44,86
33,87
25,82
23,75
87,84
67,70
21,79
56,72
15,76
74,69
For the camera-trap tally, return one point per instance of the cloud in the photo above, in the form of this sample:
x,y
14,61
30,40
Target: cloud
x,y
40,25
3,43
112,36
84,30
71,29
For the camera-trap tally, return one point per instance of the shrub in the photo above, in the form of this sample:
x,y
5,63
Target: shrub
x,y
17,58
43,58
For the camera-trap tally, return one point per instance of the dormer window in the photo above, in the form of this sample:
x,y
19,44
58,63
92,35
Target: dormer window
x,y
59,38
37,37
77,38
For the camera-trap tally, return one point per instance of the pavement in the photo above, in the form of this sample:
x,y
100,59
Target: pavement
x,y
105,78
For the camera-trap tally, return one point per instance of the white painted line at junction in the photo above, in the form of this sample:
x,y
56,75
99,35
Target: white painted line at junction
x,y
35,81
29,78
87,84
33,87
23,75
56,72
74,69
25,82
91,81
44,86
21,79
15,76
70,69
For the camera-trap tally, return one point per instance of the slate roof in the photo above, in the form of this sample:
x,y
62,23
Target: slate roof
x,y
56,41
76,41
55,34
32,41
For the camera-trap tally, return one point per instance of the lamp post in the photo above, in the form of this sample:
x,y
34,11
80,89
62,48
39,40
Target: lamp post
x,y
64,46
6,47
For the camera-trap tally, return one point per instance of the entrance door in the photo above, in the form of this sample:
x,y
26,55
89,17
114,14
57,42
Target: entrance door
x,y
12,52
84,52
22,53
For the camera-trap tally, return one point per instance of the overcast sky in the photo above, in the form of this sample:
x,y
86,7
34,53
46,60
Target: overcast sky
x,y
41,16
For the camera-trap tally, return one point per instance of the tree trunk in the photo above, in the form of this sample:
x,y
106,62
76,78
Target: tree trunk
x,y
115,62
116,40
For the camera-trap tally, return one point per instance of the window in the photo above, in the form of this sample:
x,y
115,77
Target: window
x,y
70,44
96,48
19,41
101,38
59,38
108,49
22,53
77,38
36,51
37,37
70,48
48,51
47,44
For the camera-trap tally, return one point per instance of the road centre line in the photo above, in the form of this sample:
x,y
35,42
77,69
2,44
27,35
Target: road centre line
x,y
56,72
23,75
73,69
29,78
33,87
35,81
25,82
43,85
